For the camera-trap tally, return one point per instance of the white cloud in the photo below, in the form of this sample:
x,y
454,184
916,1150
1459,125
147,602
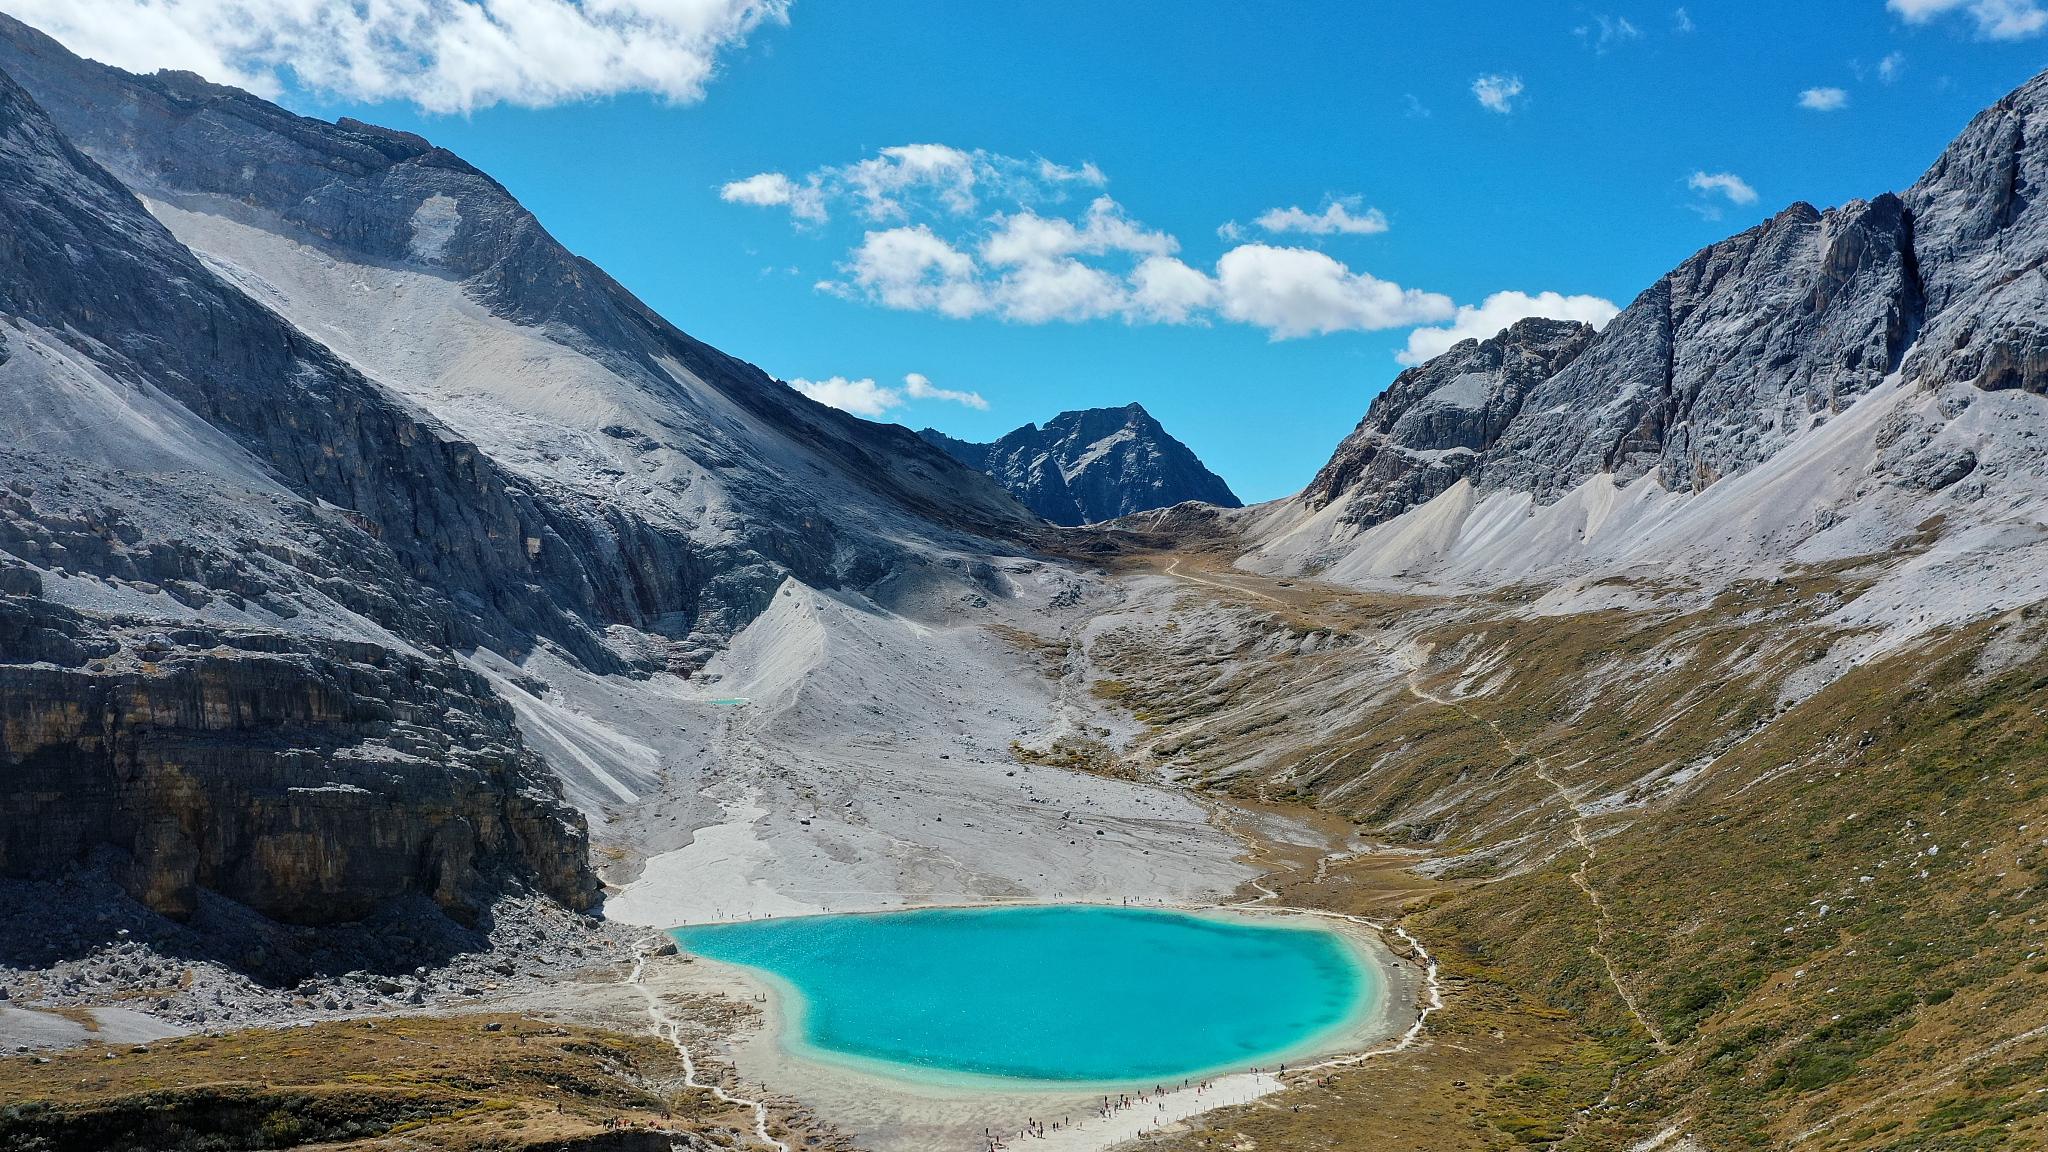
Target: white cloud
x,y
1031,268
861,397
918,386
1086,173
1026,237
773,189
1166,291
948,173
1336,217
908,182
914,270
1027,265
1066,289
763,190
442,55
1496,313
1497,93
1681,21
1824,99
1726,184
1995,19
1036,276
864,397
1607,33
1294,292
1044,280
1889,68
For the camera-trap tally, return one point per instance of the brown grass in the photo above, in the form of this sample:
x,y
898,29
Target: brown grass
x,y
1912,1015
440,1082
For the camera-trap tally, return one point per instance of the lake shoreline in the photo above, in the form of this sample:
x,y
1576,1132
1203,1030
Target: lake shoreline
x,y
897,1108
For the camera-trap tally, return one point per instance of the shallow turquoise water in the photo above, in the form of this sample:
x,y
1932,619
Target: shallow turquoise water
x,y
1063,993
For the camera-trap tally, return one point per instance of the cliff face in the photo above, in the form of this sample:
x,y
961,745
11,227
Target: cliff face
x,y
1980,242
178,444
1718,365
1862,370
311,781
1093,465
317,409
1436,422
1709,372
627,473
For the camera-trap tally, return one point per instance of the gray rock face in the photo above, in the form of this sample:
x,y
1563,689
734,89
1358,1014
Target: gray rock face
x,y
1718,364
86,260
1093,465
312,781
1707,373
1747,345
1437,422
669,566
240,564
1982,240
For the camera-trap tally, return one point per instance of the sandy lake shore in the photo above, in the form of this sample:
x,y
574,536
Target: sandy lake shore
x,y
897,1113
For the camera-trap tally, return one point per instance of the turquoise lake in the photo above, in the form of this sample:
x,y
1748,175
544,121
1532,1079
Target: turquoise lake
x,y
1074,994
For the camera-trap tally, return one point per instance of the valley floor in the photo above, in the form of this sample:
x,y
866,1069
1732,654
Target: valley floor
x,y
1692,874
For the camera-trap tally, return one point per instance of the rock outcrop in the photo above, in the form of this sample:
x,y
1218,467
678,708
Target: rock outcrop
x,y
312,781
1744,359
1093,465
1435,423
302,422
608,470
1708,372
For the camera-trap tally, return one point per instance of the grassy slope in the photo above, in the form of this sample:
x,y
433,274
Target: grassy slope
x,y
1796,1002
417,1082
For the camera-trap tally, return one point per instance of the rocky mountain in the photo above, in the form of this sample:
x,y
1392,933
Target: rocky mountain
x,y
1093,465
1671,693
681,484
1820,385
1696,667
1436,422
197,497
305,424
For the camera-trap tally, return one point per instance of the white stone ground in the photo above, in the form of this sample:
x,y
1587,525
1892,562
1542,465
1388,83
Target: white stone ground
x,y
870,766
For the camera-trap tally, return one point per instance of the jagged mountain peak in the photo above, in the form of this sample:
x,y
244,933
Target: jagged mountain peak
x,y
1703,375
1431,425
1093,464
306,424
1813,386
473,313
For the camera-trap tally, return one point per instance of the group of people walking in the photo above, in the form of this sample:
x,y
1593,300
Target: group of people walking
x,y
1108,1107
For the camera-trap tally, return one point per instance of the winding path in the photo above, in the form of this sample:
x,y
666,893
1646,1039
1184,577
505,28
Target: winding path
x,y
669,1028
1173,570
1603,920
1580,877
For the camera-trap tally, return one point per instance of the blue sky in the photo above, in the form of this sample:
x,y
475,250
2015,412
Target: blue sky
x,y
1620,138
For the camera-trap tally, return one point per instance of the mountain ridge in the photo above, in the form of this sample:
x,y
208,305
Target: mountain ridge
x,y
323,399
1877,342
392,203
239,712
1091,465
